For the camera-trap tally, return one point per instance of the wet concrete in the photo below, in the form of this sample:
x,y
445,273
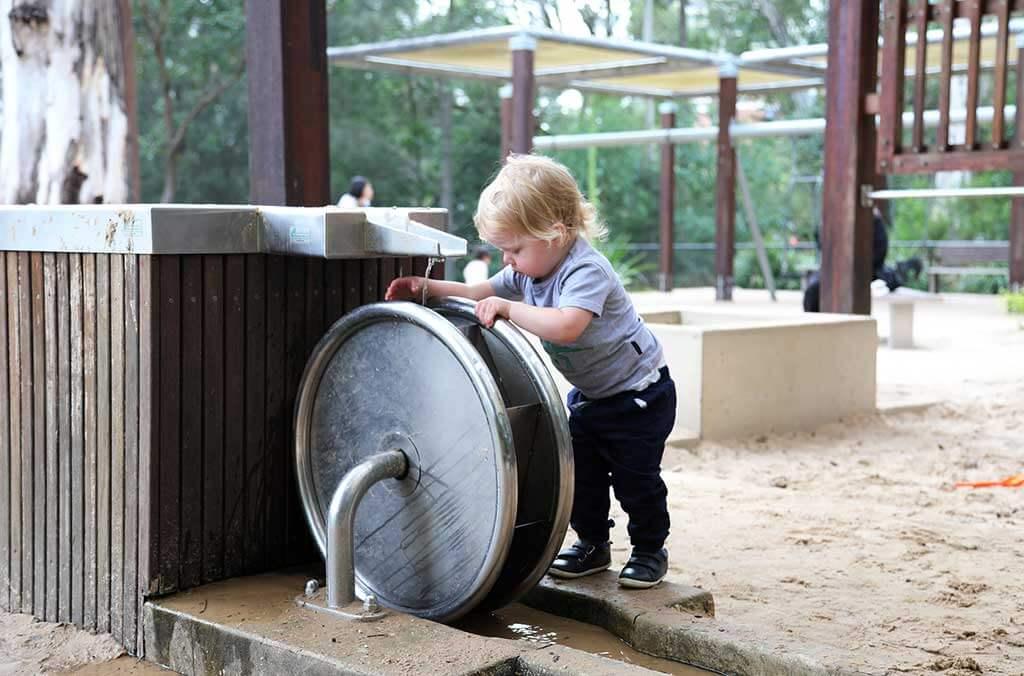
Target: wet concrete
x,y
674,622
253,626
540,629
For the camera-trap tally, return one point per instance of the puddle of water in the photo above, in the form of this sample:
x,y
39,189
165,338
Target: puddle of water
x,y
522,623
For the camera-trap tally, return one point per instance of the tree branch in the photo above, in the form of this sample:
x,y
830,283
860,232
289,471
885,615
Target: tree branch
x,y
211,94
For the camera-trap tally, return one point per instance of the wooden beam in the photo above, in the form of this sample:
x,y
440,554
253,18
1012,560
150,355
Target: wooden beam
x,y
958,159
725,187
920,78
945,17
890,123
1017,208
1000,75
973,72
846,237
522,47
667,200
286,48
962,8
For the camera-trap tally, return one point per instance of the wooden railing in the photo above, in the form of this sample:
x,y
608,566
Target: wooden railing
x,y
979,152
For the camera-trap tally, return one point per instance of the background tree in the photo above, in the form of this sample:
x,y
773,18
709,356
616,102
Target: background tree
x,y
192,54
68,93
424,141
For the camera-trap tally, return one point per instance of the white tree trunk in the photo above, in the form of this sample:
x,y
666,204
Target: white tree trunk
x,y
66,119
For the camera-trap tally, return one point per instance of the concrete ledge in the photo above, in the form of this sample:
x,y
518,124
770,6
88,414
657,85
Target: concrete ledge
x,y
742,375
253,626
677,623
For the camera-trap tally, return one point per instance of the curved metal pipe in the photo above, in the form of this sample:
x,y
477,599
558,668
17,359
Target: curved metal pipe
x,y
341,518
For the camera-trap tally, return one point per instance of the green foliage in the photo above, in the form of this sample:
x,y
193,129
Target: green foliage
x,y
785,266
389,127
204,42
1015,303
631,267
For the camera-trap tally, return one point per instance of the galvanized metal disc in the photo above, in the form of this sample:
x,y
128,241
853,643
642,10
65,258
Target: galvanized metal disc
x,y
543,448
396,375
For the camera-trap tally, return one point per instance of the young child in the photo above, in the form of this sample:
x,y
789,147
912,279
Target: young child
x,y
623,403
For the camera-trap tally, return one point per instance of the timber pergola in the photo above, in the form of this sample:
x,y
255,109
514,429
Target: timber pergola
x,y
527,57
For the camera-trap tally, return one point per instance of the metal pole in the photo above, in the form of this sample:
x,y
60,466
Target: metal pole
x,y
755,229
506,120
932,193
341,518
668,200
782,128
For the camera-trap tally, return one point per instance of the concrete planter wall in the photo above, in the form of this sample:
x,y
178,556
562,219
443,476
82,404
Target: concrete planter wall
x,y
739,376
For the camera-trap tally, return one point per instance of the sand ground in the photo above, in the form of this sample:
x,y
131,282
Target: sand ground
x,y
852,537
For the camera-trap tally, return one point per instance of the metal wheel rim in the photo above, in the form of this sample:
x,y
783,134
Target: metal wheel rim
x,y
551,402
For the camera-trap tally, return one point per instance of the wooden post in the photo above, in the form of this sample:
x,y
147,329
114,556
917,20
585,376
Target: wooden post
x,y
506,120
522,47
725,186
1017,208
286,49
846,237
668,200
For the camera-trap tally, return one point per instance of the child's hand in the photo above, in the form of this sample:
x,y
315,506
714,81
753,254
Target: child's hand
x,y
405,288
491,308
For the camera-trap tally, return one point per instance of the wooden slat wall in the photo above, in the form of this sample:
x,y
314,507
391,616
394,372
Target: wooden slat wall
x,y
928,155
146,423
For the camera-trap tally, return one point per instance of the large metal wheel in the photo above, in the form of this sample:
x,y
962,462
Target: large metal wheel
x,y
543,448
477,519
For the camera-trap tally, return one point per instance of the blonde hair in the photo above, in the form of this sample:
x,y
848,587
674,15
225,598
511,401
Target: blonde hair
x,y
529,196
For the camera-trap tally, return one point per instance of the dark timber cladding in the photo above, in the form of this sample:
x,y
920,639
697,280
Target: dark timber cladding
x,y
725,187
147,400
145,427
69,500
846,237
668,201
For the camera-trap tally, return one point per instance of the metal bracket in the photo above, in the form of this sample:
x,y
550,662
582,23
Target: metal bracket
x,y
367,610
865,195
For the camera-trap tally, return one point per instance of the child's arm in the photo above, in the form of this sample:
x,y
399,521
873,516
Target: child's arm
x,y
411,288
557,325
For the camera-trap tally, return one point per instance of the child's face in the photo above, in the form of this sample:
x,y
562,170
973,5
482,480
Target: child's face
x,y
528,255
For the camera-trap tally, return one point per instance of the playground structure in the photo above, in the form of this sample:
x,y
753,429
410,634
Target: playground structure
x,y
215,341
530,57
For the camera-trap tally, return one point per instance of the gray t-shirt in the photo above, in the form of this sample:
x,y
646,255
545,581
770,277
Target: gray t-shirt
x,y
617,352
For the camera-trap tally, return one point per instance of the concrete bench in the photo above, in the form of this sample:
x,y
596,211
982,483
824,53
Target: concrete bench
x,y
901,312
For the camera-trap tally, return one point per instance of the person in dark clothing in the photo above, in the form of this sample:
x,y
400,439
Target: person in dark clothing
x,y
893,277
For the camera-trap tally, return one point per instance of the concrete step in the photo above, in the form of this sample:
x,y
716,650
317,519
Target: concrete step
x,y
678,623
253,625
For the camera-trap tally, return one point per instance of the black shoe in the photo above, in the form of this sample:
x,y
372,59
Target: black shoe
x,y
583,558
644,569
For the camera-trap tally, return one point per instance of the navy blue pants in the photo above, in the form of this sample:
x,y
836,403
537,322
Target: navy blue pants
x,y
618,442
